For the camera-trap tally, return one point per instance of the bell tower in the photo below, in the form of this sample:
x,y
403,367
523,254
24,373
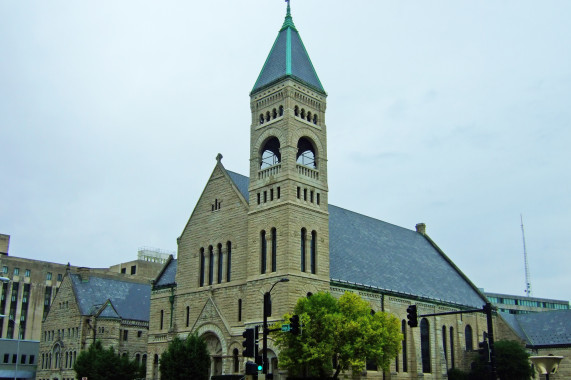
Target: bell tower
x,y
288,222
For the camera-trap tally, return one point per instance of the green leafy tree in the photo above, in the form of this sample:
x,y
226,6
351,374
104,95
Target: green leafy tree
x,y
98,363
185,359
338,335
512,363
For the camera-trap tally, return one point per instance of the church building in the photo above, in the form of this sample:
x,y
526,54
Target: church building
x,y
246,233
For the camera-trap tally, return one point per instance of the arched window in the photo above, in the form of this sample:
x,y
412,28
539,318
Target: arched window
x,y
313,251
270,153
302,113
202,266
303,240
236,361
228,260
468,335
306,153
263,251
144,362
451,347
274,249
404,354
220,262
210,264
308,116
274,113
268,116
315,122
261,118
138,358
425,345
296,111
444,332
281,110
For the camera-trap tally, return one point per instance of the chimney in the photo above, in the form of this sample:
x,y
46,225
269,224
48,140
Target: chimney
x,y
83,273
421,228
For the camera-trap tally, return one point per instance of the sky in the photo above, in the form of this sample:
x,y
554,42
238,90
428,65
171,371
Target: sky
x,y
452,113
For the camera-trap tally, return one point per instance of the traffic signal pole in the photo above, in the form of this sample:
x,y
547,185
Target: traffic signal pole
x,y
486,309
266,330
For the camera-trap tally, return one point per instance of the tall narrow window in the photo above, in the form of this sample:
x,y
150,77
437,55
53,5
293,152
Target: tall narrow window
x,y
236,361
468,334
274,249
313,252
263,251
220,262
202,266
451,347
404,354
239,310
303,239
162,319
444,346
187,316
425,345
228,261
210,264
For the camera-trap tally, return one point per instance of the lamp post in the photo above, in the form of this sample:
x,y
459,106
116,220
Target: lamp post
x,y
6,279
267,306
546,364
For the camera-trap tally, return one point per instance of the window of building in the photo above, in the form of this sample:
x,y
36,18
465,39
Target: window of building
x,y
59,277
270,153
425,345
6,358
279,192
23,358
187,316
139,334
263,251
210,265
27,273
161,320
313,251
16,271
303,239
236,360
125,335
133,269
274,249
228,260
239,310
14,359
306,153
468,335
202,265
220,263
444,346
4,269
49,276
124,270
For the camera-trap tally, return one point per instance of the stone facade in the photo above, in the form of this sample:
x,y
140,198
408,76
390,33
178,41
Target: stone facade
x,y
67,330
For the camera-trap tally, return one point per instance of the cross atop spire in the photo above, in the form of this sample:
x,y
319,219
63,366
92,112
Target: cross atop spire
x,y
288,19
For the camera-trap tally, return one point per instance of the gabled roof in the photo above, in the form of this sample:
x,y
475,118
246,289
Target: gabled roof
x,y
542,329
131,300
241,183
371,253
168,275
108,311
288,58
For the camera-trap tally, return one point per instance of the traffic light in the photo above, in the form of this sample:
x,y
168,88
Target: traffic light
x,y
294,325
412,316
484,351
249,343
251,368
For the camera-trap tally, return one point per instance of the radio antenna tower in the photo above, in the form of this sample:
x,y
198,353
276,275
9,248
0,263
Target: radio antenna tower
x,y
527,279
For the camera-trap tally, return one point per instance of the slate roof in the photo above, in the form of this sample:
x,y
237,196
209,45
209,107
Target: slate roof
x,y
288,58
542,329
131,300
168,275
372,253
109,312
241,182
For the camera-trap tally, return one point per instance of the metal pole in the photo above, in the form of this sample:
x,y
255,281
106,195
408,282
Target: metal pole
x,y
265,332
17,350
488,311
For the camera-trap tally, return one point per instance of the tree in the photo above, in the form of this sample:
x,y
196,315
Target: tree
x,y
98,363
185,359
338,335
512,363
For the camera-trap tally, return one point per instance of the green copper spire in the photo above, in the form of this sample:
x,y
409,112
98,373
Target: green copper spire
x,y
288,22
288,59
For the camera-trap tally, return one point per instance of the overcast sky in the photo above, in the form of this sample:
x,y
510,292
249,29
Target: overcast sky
x,y
452,113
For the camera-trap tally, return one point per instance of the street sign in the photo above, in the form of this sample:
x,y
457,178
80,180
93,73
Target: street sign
x,y
285,327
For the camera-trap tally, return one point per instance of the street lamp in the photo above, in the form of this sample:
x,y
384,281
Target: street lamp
x,y
546,364
6,279
267,306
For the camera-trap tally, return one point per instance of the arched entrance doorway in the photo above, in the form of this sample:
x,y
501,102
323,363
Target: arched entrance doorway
x,y
215,350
